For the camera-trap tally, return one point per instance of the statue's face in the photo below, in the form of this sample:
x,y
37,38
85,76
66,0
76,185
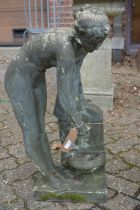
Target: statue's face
x,y
93,37
91,43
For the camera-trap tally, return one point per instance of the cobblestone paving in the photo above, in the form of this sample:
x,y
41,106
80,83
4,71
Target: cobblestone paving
x,y
122,142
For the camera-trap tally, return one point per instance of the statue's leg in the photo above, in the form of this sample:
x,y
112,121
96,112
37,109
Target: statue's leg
x,y
19,90
29,115
40,98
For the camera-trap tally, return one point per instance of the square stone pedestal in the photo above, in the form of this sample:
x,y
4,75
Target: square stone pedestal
x,y
87,188
85,180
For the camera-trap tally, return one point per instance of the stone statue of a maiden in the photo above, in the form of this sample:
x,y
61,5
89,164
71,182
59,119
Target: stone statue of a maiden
x,y
65,49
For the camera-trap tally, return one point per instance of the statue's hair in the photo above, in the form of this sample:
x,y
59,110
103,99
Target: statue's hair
x,y
87,14
86,9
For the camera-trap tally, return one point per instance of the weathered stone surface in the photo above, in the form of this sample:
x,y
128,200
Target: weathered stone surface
x,y
115,165
138,196
127,120
22,172
8,163
115,135
121,202
121,185
24,189
15,205
133,174
111,193
3,207
138,146
5,133
61,206
7,194
123,145
80,206
132,157
19,152
11,140
108,140
13,126
108,156
96,208
53,126
3,153
2,125
49,117
53,136
46,206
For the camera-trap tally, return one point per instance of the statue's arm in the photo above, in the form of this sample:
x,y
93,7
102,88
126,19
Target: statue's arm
x,y
67,89
80,94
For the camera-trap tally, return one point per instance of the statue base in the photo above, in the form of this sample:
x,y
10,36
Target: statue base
x,y
83,174
87,188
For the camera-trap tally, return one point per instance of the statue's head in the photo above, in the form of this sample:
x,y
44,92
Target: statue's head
x,y
91,26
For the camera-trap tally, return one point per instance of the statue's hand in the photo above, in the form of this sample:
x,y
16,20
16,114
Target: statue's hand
x,y
90,116
83,130
83,136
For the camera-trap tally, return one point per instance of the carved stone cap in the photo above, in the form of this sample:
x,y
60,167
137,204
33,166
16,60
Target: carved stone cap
x,y
111,9
96,1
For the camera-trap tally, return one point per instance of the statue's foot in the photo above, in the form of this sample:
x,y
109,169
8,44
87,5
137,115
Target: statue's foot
x,y
64,171
56,180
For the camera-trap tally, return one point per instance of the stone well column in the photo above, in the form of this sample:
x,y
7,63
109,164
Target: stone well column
x,y
96,70
97,76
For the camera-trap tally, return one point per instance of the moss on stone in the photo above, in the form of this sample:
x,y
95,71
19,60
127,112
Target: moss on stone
x,y
72,197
